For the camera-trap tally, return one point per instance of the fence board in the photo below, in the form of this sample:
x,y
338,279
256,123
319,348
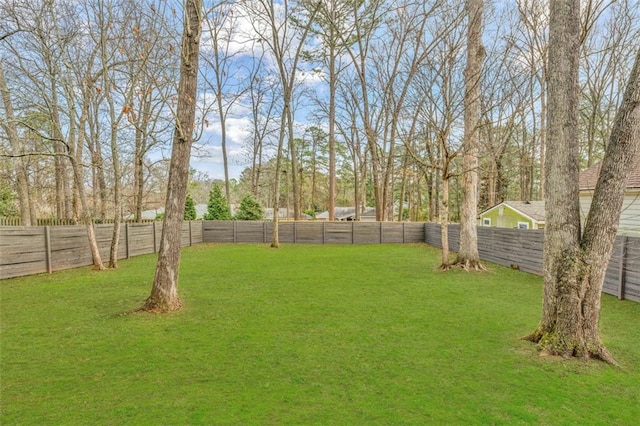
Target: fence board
x,y
22,251
414,232
392,232
250,232
311,232
219,231
366,233
338,233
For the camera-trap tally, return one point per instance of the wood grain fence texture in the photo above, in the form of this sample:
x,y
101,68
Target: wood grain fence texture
x,y
32,250
523,249
27,250
315,232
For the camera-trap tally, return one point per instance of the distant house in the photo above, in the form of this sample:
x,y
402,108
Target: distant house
x,y
349,213
514,214
201,210
283,214
630,215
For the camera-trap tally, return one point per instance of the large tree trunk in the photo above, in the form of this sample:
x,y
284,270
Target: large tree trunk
x,y
164,294
574,266
468,256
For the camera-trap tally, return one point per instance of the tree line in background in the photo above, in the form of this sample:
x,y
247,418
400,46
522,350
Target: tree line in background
x,y
89,92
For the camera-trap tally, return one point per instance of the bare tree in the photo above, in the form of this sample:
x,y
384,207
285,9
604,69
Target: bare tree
x,y
164,293
228,82
286,46
575,263
468,256
20,165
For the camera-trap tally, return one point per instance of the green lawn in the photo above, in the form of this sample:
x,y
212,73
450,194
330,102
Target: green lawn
x,y
354,335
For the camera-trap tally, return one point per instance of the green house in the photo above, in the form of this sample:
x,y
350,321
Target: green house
x,y
514,214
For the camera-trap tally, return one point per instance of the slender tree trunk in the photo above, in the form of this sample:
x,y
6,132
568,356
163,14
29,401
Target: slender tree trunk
x,y
468,256
275,237
223,128
574,265
20,166
332,126
444,220
164,293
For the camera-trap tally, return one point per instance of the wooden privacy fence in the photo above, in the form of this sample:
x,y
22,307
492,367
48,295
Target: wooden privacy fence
x,y
31,250
523,249
26,250
314,232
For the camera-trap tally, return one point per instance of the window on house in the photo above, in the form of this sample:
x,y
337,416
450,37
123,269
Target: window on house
x,y
486,221
523,225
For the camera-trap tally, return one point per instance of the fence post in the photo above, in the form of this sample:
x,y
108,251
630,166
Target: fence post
x,y
235,232
190,235
381,233
324,232
264,232
295,232
353,232
622,277
47,247
403,238
126,236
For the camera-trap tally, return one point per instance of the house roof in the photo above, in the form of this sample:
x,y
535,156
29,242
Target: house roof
x,y
342,213
201,210
283,213
533,209
589,176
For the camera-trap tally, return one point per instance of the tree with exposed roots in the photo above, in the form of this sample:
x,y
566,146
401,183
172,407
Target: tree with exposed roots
x,y
575,262
164,293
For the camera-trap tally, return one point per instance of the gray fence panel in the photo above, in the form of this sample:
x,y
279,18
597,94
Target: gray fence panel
x,y
366,233
632,270
612,275
218,231
197,231
69,247
250,232
391,232
414,232
338,233
140,238
22,250
310,232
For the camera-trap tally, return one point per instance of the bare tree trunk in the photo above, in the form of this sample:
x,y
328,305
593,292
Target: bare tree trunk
x,y
332,127
275,237
20,166
575,266
444,221
468,256
164,293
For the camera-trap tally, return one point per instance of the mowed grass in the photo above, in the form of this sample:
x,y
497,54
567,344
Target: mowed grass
x,y
307,334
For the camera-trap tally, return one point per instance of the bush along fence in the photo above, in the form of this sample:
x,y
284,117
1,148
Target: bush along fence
x,y
32,250
522,249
